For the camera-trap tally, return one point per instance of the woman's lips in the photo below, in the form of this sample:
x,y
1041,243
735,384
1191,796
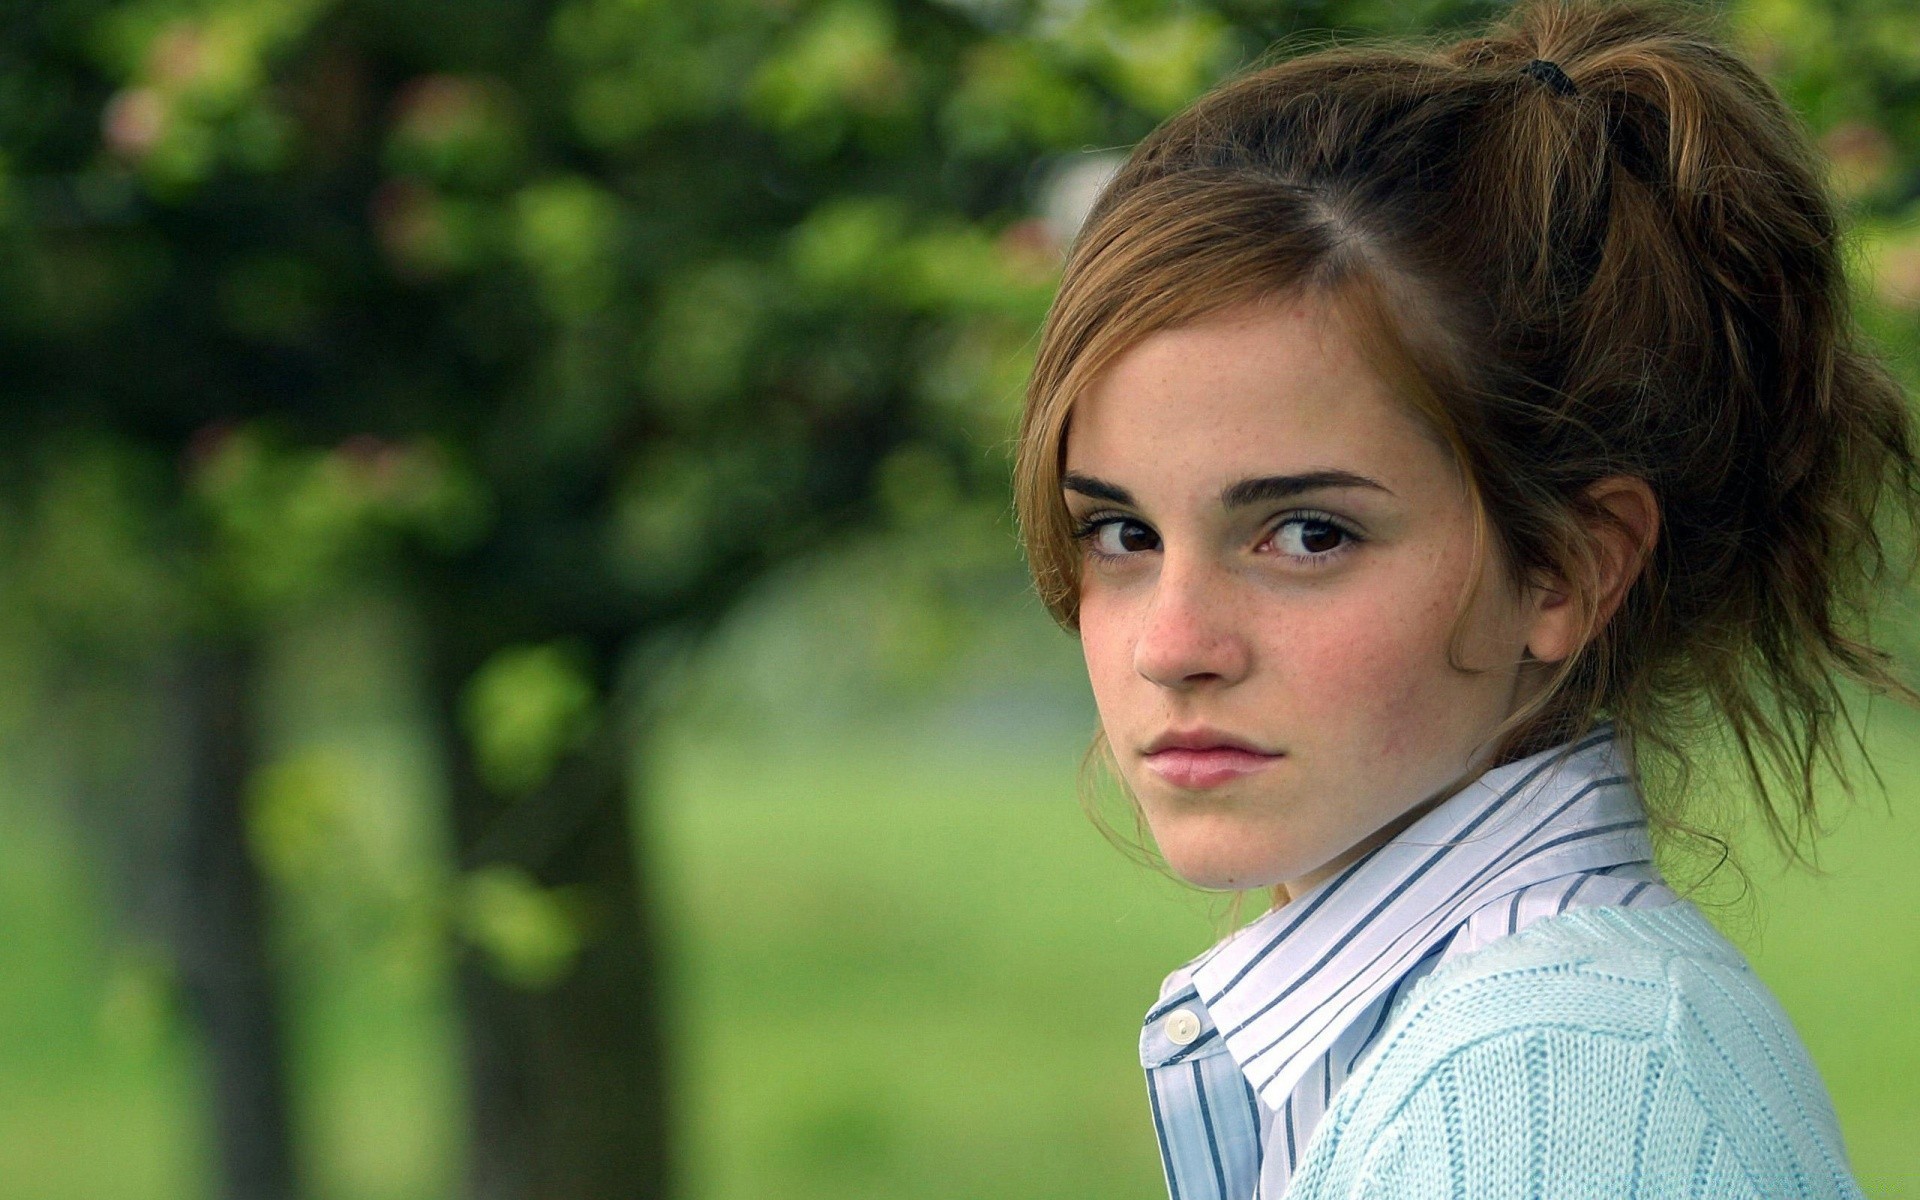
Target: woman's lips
x,y
1209,767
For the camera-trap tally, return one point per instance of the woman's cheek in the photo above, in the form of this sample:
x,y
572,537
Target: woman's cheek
x,y
1108,648
1364,671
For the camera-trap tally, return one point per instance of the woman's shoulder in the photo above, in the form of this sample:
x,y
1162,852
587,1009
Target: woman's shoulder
x,y
1650,968
1604,1049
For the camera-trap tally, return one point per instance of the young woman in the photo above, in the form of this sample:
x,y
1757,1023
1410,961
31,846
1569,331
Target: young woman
x,y
1424,446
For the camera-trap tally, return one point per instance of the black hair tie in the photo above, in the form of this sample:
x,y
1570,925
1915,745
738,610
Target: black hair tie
x,y
1550,74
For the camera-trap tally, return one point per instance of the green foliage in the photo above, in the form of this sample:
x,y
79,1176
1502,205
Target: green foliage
x,y
457,132
566,231
197,82
1156,56
292,523
1007,98
839,74
87,544
530,934
525,709
358,883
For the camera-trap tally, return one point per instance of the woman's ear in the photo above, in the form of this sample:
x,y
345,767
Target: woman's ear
x,y
1620,539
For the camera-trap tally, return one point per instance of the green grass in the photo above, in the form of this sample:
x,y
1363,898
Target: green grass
x,y
1842,953
898,972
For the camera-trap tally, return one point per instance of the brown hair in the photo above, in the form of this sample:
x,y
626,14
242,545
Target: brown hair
x,y
1629,268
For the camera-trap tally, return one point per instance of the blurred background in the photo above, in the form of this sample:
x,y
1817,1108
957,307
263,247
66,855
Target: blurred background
x,y
516,678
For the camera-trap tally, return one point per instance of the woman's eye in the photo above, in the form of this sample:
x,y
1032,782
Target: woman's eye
x,y
1310,537
1113,537
1305,538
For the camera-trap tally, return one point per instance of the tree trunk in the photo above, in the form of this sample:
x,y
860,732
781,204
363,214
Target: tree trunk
x,y
567,1083
220,931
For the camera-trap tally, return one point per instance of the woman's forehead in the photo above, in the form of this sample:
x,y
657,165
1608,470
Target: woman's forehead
x,y
1280,389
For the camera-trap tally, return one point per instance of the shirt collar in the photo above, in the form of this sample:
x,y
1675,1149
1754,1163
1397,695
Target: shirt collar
x,y
1283,989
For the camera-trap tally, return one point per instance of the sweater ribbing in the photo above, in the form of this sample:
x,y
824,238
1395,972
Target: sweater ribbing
x,y
1602,1052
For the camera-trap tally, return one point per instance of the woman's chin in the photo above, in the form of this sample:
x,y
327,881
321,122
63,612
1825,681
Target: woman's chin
x,y
1222,872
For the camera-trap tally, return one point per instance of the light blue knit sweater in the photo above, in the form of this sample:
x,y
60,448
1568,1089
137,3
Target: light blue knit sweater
x,y
1605,1052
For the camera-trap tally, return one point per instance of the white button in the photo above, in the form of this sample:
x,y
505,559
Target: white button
x,y
1182,1027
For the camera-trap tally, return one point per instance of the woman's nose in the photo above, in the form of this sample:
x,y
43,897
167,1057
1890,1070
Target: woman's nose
x,y
1188,636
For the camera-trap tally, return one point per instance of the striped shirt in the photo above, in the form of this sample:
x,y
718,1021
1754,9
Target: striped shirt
x,y
1248,1043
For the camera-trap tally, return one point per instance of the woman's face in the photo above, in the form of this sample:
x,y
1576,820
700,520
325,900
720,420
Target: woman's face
x,y
1274,552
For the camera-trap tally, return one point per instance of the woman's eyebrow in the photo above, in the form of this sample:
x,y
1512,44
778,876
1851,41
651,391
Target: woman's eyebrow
x,y
1098,489
1262,490
1269,488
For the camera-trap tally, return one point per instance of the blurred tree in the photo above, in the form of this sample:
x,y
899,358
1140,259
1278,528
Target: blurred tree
x,y
567,320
